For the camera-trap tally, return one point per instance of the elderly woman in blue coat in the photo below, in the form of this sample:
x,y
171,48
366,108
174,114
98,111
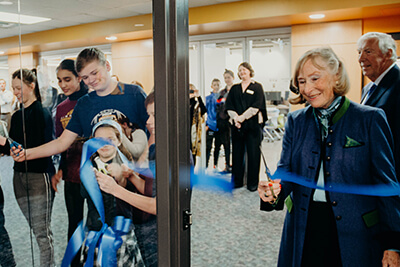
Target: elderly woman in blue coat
x,y
334,141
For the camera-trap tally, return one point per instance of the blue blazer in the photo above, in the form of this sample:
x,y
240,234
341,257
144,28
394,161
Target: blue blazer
x,y
359,219
387,97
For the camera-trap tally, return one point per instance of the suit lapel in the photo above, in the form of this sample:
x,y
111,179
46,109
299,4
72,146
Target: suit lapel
x,y
383,86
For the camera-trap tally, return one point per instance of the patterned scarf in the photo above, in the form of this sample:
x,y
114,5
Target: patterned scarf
x,y
323,116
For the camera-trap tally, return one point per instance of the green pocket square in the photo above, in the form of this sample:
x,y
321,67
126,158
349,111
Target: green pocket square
x,y
350,142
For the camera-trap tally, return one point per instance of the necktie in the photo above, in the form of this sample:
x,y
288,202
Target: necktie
x,y
370,91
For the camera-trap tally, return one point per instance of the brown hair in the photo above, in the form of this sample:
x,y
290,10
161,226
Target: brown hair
x,y
149,99
334,65
121,147
89,55
215,80
28,77
229,72
247,66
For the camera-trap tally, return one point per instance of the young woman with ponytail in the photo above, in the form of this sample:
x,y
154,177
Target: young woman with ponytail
x,y
32,187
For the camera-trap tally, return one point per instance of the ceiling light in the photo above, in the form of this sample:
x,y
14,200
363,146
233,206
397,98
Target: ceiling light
x,y
23,19
6,3
139,25
317,16
111,38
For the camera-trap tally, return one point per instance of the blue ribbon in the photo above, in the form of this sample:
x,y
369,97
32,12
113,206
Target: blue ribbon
x,y
74,244
379,190
212,183
111,241
108,239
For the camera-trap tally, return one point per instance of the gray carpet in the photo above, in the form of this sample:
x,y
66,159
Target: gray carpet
x,y
227,230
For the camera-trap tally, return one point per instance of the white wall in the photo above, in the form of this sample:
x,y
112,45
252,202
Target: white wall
x,y
272,67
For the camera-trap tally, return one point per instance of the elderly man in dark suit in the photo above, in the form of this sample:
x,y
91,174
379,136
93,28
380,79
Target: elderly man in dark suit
x,y
377,58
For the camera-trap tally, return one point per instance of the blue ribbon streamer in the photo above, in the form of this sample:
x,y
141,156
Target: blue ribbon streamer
x,y
212,183
108,239
74,244
379,190
111,241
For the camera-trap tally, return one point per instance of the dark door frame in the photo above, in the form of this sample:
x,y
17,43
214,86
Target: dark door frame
x,y
171,79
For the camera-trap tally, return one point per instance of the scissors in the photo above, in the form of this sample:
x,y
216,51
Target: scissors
x,y
268,172
11,141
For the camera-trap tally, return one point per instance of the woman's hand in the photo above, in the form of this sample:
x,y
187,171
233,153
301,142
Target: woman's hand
x,y
391,259
126,171
238,121
116,171
106,182
18,154
265,192
56,179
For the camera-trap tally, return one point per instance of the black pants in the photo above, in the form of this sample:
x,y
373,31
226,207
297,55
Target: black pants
x,y
223,137
210,136
6,253
321,245
74,203
249,142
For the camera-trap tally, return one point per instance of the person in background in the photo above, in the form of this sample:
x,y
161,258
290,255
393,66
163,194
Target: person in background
x,y
74,88
211,122
49,93
134,139
6,99
197,111
142,196
247,111
224,132
31,181
377,58
334,141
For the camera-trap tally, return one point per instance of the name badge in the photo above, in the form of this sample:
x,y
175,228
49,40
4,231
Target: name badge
x,y
250,92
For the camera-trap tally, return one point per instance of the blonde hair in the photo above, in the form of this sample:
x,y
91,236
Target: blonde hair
x,y
334,65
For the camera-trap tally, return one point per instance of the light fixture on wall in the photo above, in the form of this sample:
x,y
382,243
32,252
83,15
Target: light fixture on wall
x,y
111,38
317,16
139,25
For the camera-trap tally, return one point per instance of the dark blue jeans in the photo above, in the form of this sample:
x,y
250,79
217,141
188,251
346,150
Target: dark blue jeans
x,y
6,253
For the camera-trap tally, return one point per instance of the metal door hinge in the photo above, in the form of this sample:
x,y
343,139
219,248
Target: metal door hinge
x,y
187,219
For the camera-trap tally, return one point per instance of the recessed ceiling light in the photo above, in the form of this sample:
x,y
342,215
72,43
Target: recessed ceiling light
x,y
111,38
23,19
6,3
139,25
317,16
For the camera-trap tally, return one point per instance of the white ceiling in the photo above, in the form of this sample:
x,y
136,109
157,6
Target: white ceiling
x,y
64,13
